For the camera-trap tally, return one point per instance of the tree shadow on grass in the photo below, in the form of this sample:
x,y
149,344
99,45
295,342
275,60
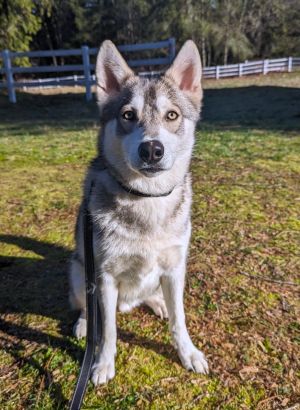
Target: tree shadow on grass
x,y
39,286
13,334
36,286
32,112
263,107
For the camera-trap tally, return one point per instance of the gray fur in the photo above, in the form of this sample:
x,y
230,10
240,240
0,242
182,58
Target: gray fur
x,y
140,243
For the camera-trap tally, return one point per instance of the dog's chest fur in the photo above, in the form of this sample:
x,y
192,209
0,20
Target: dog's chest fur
x,y
139,239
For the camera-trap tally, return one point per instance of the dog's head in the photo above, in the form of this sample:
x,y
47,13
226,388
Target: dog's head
x,y
148,125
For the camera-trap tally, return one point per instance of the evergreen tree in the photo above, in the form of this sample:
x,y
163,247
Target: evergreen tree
x,y
19,22
226,31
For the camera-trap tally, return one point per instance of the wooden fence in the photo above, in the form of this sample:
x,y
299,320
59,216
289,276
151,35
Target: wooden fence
x,y
82,74
87,79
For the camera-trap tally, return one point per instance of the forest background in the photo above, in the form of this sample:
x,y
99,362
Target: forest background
x,y
226,31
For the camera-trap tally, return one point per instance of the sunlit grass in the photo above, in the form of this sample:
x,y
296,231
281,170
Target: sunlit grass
x,y
245,220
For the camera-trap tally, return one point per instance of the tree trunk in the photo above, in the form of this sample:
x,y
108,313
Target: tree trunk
x,y
225,53
49,40
208,54
203,51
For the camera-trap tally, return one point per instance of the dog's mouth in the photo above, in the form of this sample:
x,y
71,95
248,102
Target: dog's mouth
x,y
151,170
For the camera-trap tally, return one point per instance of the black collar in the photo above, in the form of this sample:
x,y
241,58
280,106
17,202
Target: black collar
x,y
139,193
101,164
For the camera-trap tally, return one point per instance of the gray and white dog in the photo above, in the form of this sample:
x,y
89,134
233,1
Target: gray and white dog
x,y
141,199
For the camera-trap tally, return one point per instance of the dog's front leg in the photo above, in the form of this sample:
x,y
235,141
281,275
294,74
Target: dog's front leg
x,y
104,366
173,286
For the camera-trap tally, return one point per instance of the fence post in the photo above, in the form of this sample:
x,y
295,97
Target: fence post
x,y
290,64
240,69
9,76
87,72
172,49
265,66
217,72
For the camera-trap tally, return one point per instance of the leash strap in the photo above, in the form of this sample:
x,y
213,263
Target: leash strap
x,y
93,309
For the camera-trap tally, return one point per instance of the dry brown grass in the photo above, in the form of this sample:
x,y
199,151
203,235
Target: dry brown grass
x,y
246,231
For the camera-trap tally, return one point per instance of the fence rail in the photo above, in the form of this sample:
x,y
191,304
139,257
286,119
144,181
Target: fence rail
x,y
87,79
82,74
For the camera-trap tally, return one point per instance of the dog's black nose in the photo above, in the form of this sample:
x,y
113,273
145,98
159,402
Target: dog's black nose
x,y
151,151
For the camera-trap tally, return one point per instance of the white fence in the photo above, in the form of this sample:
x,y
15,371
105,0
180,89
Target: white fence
x,y
252,67
86,68
82,74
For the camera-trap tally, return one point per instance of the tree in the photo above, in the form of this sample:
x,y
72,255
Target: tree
x,y
57,30
229,38
226,31
19,22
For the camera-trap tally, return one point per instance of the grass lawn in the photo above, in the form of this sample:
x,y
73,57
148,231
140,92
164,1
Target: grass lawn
x,y
242,293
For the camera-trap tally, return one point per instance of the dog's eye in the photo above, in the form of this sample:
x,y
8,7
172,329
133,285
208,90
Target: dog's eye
x,y
128,115
172,115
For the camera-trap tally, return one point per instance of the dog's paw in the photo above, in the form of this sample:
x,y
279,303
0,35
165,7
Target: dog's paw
x,y
79,329
193,359
104,371
158,305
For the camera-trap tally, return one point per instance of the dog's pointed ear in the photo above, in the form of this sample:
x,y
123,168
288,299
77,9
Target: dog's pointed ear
x,y
186,71
111,71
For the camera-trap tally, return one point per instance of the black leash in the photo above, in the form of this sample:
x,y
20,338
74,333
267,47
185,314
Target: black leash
x,y
93,310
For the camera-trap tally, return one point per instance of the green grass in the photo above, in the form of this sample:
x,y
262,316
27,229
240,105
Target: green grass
x,y
246,220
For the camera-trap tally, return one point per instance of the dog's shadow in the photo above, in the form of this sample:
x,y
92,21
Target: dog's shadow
x,y
38,285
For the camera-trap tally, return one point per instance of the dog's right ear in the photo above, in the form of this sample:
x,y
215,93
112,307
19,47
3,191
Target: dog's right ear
x,y
111,71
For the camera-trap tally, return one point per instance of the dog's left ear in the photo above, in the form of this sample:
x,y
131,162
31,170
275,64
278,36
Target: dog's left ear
x,y
111,71
186,71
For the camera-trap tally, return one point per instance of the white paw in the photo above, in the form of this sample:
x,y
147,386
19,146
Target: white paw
x,y
125,307
158,305
193,359
79,329
103,371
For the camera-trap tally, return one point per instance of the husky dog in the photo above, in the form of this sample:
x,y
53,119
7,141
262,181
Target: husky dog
x,y
141,200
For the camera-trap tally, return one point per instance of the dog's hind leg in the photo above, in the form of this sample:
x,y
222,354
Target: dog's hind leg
x,y
77,295
157,303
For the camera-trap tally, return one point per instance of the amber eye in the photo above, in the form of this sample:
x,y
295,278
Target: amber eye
x,y
128,115
172,115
